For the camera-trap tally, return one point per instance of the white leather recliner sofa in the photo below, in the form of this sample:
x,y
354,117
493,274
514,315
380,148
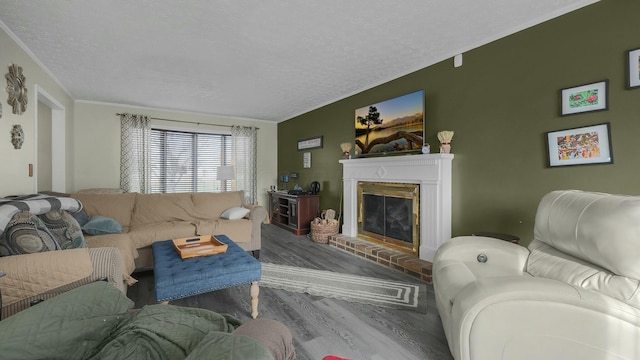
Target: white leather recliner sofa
x,y
572,294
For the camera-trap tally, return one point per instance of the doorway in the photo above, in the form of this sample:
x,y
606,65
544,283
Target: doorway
x,y
50,163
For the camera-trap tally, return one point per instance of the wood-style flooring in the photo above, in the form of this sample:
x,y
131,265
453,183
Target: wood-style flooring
x,y
322,326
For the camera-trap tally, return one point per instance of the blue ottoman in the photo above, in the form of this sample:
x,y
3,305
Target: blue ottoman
x,y
176,278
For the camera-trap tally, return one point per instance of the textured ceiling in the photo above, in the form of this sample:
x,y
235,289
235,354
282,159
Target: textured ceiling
x,y
255,59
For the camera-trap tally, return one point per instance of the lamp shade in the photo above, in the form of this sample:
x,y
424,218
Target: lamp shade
x,y
225,173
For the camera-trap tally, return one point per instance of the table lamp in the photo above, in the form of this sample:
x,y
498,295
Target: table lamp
x,y
225,173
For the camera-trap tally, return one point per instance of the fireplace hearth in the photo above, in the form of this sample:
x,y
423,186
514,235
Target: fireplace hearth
x,y
392,258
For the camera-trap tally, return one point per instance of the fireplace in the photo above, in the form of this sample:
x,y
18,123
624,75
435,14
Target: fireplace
x,y
389,213
431,173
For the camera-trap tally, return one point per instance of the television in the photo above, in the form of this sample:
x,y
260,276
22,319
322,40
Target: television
x,y
392,126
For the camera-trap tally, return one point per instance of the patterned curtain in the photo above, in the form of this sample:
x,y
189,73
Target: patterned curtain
x,y
245,143
135,132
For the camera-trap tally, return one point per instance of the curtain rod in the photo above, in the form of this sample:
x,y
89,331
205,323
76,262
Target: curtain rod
x,y
188,122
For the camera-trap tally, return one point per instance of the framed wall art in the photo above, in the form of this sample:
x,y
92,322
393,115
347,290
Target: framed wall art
x,y
584,98
311,143
392,126
633,68
580,146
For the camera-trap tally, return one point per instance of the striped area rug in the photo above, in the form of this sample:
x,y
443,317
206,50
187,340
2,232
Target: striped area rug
x,y
362,289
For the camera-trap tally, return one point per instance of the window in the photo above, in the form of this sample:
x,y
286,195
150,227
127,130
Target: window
x,y
188,161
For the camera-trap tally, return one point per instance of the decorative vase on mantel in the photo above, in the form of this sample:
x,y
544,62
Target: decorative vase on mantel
x,y
445,141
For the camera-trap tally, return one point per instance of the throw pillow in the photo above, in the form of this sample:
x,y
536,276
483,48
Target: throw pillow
x,y
100,225
235,213
26,234
81,217
64,228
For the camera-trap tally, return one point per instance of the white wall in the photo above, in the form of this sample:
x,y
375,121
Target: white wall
x,y
97,142
92,132
14,163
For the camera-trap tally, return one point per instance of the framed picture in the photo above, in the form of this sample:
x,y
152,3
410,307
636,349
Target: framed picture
x,y
306,160
583,98
633,68
580,146
311,143
392,126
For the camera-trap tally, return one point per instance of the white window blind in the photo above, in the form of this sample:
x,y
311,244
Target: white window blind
x,y
188,161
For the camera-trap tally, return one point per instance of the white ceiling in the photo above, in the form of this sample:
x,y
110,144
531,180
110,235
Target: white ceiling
x,y
254,59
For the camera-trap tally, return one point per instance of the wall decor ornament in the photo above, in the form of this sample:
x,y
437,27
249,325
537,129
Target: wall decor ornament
x,y
580,146
17,136
346,150
633,68
583,98
16,87
445,138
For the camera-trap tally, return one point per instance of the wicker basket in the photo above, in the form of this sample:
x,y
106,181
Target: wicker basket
x,y
320,232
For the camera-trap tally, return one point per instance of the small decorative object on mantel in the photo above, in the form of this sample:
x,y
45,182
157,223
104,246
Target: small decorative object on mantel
x,y
445,141
426,149
16,87
346,150
17,136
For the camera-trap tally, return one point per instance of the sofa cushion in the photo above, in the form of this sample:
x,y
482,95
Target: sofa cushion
x,y
123,242
237,230
211,205
26,234
146,234
116,206
81,217
101,225
158,208
64,228
602,229
235,213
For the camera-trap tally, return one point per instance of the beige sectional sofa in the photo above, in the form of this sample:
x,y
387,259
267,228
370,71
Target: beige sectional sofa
x,y
146,218
143,219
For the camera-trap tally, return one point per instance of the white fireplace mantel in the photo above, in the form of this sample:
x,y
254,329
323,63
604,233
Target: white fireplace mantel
x,y
431,171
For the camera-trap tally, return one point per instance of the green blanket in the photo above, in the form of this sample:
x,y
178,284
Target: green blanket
x,y
95,322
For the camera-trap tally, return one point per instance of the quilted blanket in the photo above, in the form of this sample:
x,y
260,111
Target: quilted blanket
x,y
36,204
95,322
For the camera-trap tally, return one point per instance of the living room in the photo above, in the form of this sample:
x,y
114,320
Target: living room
x,y
501,103
499,139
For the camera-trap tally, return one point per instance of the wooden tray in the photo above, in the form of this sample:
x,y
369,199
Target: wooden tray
x,y
195,246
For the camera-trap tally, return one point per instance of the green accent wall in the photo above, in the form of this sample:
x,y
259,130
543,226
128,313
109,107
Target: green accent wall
x,y
500,104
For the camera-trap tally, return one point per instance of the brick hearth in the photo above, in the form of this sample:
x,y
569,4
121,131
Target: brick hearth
x,y
394,259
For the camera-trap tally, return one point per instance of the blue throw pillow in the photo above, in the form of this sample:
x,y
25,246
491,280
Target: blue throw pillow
x,y
81,217
100,225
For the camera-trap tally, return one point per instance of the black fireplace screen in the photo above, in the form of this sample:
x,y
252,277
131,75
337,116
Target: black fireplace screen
x,y
388,216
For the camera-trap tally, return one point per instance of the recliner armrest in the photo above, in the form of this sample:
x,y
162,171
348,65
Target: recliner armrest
x,y
498,252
